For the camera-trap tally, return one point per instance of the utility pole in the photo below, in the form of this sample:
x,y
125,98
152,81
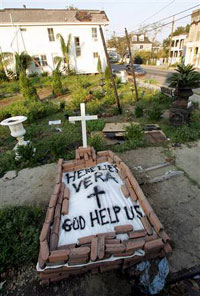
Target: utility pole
x,y
170,42
132,64
110,69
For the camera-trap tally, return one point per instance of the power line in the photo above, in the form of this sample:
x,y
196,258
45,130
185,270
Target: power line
x,y
169,23
156,13
171,16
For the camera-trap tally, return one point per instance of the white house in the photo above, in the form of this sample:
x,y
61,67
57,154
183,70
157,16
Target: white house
x,y
193,41
34,31
140,42
178,47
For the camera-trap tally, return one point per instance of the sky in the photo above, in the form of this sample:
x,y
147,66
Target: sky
x,y
128,13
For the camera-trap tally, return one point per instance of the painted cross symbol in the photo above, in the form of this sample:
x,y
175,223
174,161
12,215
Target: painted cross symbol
x,y
83,119
96,194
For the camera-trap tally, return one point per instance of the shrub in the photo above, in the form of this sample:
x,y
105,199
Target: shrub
x,y
107,74
99,94
94,106
44,74
97,142
7,162
99,65
34,74
25,153
78,96
139,110
154,112
3,76
56,83
28,91
19,231
138,60
134,132
95,125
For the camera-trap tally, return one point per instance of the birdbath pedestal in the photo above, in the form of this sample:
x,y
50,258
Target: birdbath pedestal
x,y
15,125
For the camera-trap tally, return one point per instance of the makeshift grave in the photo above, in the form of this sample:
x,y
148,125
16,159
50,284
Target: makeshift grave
x,y
98,218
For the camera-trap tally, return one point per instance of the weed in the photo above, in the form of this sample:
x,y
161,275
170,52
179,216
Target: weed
x,y
97,142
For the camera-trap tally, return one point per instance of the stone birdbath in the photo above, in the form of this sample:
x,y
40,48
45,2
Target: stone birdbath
x,y
15,125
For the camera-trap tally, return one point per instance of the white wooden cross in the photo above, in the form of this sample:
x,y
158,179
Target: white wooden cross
x,y
83,119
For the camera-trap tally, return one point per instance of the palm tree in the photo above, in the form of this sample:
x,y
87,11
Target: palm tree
x,y
22,62
6,58
65,59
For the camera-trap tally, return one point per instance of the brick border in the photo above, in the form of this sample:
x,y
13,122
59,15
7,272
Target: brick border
x,y
153,239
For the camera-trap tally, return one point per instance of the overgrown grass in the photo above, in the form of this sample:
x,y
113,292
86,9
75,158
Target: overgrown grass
x,y
19,230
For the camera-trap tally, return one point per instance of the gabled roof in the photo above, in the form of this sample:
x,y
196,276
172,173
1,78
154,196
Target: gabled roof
x,y
145,41
26,15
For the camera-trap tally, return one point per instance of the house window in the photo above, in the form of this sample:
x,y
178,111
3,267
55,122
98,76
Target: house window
x,y
37,61
141,46
94,33
77,46
95,54
134,37
51,34
141,37
44,60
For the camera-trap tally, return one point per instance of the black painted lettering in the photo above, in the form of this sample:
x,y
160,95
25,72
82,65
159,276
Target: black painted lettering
x,y
82,222
87,182
68,177
110,168
103,216
138,211
130,216
67,226
98,175
94,218
81,173
75,224
109,176
111,221
116,210
77,188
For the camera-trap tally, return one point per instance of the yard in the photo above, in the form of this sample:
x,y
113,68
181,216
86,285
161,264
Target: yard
x,y
51,144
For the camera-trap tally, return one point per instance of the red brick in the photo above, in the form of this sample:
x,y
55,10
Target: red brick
x,y
80,251
69,246
135,245
77,155
45,232
118,248
167,248
49,215
93,153
94,249
107,234
66,192
102,153
53,241
68,166
137,234
57,211
111,154
101,247
59,278
60,162
110,160
44,250
135,259
85,155
102,159
58,178
83,150
146,207
65,207
132,194
147,225
42,263
53,201
123,228
79,162
108,268
85,240
58,256
113,241
155,222
56,226
125,191
164,236
90,163
117,159
57,189
125,254
152,237
154,245
77,261
122,175
60,198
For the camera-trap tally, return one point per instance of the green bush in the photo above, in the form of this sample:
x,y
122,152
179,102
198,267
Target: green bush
x,y
97,142
44,74
94,106
134,132
56,83
99,94
34,74
78,96
154,112
26,153
183,134
7,162
28,91
19,230
95,125
139,110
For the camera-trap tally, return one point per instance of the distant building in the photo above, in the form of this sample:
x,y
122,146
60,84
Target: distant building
x,y
193,41
178,48
140,42
34,31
